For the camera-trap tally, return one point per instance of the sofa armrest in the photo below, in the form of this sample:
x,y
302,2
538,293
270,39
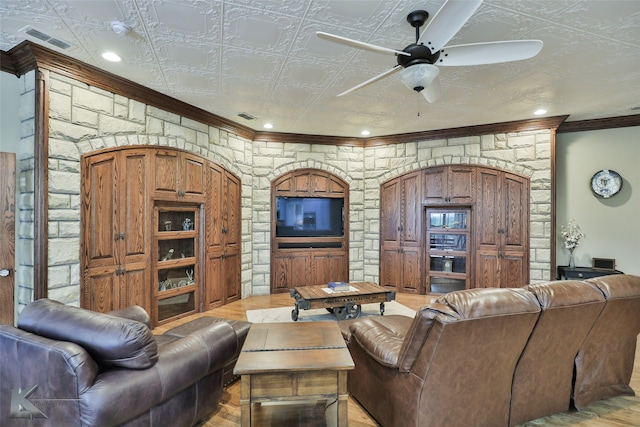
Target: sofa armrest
x,y
61,371
378,341
122,394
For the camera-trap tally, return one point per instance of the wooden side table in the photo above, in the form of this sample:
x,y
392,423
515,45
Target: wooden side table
x,y
293,363
577,273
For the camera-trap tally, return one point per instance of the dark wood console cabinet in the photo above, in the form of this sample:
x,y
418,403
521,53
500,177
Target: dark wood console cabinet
x,y
312,259
160,229
579,273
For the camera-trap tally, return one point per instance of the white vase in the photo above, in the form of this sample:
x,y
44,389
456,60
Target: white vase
x,y
572,261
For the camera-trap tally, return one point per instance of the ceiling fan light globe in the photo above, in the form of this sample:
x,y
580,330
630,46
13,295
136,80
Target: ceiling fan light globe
x,y
419,76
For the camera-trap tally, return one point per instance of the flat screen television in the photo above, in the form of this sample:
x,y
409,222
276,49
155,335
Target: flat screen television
x,y
309,217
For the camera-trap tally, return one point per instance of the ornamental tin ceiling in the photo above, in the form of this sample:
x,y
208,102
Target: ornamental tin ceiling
x,y
261,58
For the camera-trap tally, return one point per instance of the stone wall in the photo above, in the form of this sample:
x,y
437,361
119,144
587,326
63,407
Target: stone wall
x,y
24,249
84,119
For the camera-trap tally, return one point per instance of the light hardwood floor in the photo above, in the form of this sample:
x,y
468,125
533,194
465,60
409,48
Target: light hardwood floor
x,y
616,412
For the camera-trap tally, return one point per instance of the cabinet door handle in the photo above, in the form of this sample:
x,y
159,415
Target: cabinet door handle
x,y
224,230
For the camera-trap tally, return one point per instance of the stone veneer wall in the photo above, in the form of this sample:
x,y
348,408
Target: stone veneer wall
x,y
84,119
24,244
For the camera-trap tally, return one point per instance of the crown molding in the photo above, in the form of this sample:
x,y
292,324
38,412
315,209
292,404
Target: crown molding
x,y
28,56
599,124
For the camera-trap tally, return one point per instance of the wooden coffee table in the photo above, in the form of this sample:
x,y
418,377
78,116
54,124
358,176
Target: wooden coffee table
x,y
294,363
345,305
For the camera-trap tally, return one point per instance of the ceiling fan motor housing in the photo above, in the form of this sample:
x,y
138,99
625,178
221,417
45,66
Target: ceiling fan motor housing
x,y
420,54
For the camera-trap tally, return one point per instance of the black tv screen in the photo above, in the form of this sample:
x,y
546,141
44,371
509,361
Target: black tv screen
x,y
309,217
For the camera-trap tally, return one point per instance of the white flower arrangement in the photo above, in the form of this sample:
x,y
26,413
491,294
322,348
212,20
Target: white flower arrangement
x,y
571,235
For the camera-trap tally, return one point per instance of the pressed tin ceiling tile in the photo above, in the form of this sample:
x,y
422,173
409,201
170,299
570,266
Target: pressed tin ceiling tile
x,y
262,57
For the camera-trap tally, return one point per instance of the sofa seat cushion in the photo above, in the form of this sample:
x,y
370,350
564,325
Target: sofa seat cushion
x,y
110,340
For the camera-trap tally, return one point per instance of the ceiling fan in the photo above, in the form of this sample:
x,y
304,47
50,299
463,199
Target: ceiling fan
x,y
418,62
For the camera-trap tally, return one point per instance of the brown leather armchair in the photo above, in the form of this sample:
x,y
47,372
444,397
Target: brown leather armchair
x,y
451,365
604,363
95,369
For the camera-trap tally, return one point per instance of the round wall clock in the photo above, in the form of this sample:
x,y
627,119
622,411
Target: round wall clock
x,y
606,183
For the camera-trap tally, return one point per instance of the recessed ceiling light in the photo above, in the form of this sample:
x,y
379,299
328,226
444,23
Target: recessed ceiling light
x,y
540,111
110,56
365,133
267,126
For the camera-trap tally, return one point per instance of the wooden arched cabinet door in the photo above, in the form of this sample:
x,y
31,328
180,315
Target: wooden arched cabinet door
x,y
309,229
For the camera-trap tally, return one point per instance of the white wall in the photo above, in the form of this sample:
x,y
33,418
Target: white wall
x,y
612,226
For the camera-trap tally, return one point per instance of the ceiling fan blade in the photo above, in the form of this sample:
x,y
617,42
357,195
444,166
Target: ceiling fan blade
x,y
373,80
360,45
489,53
432,92
447,22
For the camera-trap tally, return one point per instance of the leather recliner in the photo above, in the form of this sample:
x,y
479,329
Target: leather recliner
x,y
452,365
81,368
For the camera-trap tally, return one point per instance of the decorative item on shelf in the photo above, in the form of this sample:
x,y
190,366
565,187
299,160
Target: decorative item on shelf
x,y
167,225
603,264
164,285
187,224
168,256
571,235
447,265
189,276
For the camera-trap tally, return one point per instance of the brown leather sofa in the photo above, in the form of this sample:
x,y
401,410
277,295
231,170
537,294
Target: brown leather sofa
x,y
94,369
497,357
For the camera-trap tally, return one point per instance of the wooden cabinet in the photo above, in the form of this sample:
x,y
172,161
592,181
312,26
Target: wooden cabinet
x,y
329,265
449,184
492,249
176,264
178,175
448,245
115,252
400,233
502,230
309,243
290,269
401,269
222,238
138,203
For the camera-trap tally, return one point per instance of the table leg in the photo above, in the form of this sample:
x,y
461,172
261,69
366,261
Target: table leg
x,y
245,401
343,400
295,312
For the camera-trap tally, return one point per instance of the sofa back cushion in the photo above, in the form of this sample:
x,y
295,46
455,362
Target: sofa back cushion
x,y
458,307
111,341
542,381
604,363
